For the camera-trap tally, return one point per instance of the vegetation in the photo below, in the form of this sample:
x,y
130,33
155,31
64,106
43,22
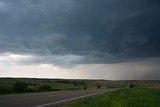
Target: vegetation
x,y
144,93
20,86
6,90
99,86
85,87
23,85
128,97
46,88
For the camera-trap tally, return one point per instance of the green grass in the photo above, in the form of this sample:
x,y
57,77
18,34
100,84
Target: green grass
x,y
34,85
128,97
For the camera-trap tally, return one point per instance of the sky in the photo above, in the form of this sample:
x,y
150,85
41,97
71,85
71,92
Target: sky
x,y
80,39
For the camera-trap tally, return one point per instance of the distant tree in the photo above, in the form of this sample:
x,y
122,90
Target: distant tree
x,y
81,82
85,87
20,86
99,86
46,88
131,86
75,83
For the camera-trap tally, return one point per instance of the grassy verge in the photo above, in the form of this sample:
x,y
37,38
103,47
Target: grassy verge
x,y
32,85
128,97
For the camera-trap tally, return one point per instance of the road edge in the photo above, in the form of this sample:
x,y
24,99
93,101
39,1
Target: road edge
x,y
74,98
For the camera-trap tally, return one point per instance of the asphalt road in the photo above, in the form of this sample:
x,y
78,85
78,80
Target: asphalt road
x,y
46,99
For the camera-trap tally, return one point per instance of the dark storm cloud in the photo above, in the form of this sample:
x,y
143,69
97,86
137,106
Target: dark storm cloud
x,y
105,31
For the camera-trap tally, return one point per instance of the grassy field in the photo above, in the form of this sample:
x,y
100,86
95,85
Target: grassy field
x,y
127,97
146,93
25,85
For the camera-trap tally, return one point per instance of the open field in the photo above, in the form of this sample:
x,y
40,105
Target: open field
x,y
127,97
25,85
144,93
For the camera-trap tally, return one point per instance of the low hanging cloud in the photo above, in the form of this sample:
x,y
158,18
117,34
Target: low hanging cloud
x,y
141,70
67,33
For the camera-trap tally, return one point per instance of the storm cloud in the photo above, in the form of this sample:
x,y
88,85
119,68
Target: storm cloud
x,y
71,32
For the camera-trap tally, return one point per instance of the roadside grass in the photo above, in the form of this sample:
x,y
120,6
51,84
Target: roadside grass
x,y
127,97
32,85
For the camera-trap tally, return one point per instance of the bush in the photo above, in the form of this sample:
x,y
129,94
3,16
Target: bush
x,y
56,90
99,86
131,86
46,88
33,90
75,83
85,87
20,86
4,90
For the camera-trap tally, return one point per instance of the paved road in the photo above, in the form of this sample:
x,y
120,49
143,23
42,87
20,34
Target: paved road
x,y
45,99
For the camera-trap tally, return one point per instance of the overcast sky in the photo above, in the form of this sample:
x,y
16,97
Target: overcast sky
x,y
91,39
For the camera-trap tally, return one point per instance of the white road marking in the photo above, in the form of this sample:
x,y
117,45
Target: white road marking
x,y
71,99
